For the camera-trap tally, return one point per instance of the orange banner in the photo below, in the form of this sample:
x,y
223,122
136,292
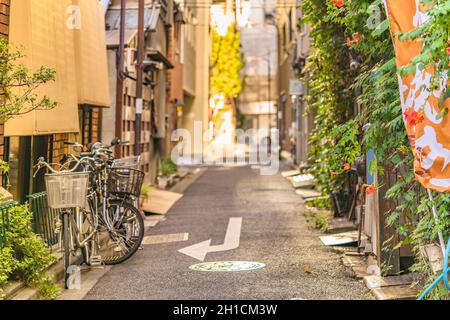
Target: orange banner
x,y
429,133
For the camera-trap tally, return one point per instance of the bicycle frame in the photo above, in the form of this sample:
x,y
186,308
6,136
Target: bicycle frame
x,y
76,222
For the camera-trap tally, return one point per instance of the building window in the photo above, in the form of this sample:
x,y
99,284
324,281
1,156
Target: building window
x,y
89,124
22,153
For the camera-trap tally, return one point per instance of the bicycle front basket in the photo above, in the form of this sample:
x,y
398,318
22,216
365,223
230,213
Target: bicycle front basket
x,y
125,181
66,190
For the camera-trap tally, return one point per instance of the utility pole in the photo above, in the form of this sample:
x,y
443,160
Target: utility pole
x,y
120,78
139,78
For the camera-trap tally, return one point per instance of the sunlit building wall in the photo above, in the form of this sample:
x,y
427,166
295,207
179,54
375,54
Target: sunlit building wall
x,y
195,52
259,45
294,123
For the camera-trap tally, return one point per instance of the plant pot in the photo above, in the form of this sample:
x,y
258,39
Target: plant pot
x,y
163,182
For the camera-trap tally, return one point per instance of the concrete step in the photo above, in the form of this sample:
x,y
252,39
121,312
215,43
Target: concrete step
x,y
19,291
26,293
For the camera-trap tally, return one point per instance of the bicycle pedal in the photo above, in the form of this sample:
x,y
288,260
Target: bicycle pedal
x,y
96,261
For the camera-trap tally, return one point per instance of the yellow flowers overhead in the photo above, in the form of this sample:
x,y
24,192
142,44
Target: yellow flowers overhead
x,y
226,63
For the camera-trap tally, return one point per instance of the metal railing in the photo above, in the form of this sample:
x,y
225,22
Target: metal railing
x,y
44,218
4,220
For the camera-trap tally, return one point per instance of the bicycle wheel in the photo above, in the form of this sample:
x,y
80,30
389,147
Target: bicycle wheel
x,y
126,235
66,247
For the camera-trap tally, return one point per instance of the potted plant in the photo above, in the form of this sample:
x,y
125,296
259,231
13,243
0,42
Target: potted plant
x,y
167,173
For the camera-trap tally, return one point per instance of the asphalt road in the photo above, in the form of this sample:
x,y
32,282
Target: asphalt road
x,y
274,232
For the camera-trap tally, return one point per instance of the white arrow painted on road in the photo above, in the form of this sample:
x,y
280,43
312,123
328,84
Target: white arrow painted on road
x,y
200,250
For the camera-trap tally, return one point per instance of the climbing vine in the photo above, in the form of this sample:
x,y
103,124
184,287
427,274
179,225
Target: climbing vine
x,y
330,95
225,82
226,63
353,62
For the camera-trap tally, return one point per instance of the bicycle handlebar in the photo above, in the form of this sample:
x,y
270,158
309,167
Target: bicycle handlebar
x,y
42,163
98,149
75,144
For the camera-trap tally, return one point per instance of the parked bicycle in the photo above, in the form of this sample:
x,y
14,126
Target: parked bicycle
x,y
96,199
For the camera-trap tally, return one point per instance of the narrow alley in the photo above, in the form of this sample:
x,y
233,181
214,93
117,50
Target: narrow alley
x,y
273,229
181,151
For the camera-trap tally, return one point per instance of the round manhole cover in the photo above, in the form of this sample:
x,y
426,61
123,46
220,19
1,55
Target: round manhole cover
x,y
227,266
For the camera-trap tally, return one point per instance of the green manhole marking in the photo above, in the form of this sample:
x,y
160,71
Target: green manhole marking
x,y
227,266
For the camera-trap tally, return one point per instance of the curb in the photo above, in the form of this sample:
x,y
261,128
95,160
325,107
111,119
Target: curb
x,y
20,291
188,180
382,288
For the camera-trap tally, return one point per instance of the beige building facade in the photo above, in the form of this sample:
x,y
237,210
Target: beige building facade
x,y
294,122
258,101
195,53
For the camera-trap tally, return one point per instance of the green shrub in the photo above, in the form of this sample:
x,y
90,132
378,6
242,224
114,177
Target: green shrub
x,y
47,289
168,167
145,191
319,220
319,203
29,250
7,263
321,223
25,256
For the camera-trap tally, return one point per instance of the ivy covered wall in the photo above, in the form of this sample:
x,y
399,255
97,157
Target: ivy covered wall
x,y
352,67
